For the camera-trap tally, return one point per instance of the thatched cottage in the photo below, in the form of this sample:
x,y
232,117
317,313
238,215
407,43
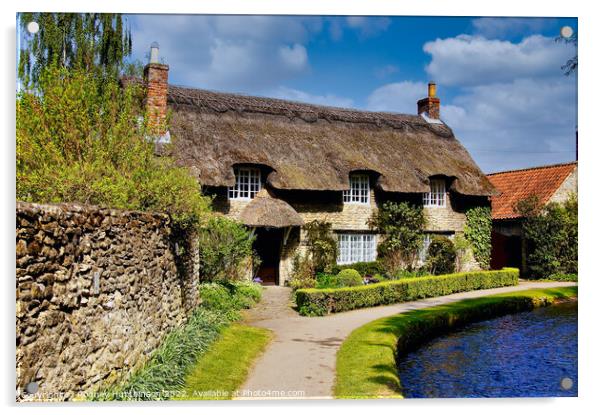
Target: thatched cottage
x,y
275,165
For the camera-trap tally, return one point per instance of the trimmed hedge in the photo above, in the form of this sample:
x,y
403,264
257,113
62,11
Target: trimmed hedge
x,y
318,302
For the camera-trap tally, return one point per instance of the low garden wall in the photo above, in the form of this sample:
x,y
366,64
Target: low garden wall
x,y
97,290
367,360
324,301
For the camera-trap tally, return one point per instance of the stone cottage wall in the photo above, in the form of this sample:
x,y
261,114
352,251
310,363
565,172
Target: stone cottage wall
x,y
97,290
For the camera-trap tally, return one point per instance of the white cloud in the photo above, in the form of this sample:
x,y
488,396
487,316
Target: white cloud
x,y
301,96
468,60
235,53
397,97
495,27
386,70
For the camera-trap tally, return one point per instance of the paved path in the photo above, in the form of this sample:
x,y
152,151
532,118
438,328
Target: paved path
x,y
302,355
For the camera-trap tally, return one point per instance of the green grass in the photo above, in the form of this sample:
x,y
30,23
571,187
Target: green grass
x,y
366,362
220,372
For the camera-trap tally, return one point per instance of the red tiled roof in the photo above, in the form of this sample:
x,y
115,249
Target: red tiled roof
x,y
516,185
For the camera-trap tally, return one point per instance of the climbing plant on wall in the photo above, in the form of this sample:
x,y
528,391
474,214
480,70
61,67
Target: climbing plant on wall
x,y
478,232
322,245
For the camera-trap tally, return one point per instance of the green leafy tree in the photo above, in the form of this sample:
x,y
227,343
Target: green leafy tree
x,y
401,226
477,231
441,256
76,144
91,42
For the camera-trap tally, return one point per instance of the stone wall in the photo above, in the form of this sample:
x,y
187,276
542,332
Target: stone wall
x,y
97,290
567,188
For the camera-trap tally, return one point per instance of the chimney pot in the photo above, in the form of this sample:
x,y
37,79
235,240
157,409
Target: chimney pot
x,y
154,53
429,106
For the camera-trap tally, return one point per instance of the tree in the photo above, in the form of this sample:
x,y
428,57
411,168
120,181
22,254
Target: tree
x,y
76,144
401,226
571,65
322,246
91,42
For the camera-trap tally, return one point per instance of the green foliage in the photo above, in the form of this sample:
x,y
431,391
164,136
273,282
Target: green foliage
x,y
343,299
349,278
366,364
404,273
78,142
563,277
323,247
401,226
463,248
325,280
441,256
303,275
225,246
478,232
90,42
364,268
552,239
169,364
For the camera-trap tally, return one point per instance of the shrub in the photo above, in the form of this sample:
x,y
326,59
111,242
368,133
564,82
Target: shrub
x,y
403,273
225,246
364,268
478,232
441,256
79,140
408,289
303,275
401,226
323,248
229,297
349,278
563,277
551,235
324,280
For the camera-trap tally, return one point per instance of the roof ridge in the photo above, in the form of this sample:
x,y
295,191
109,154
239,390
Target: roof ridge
x,y
547,166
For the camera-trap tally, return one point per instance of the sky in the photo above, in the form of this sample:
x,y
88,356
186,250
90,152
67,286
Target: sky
x,y
500,81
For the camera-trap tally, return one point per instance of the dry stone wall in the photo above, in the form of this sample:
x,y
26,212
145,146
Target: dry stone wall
x,y
97,290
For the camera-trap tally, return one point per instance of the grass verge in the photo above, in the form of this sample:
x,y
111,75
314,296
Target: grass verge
x,y
366,362
220,372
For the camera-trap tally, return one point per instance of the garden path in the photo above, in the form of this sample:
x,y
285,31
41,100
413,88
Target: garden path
x,y
300,361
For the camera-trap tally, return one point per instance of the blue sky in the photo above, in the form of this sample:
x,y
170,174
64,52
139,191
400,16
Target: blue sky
x,y
499,79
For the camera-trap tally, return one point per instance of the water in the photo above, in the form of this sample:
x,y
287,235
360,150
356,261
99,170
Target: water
x,y
520,355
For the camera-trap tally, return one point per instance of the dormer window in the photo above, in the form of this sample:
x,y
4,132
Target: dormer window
x,y
359,191
248,183
436,197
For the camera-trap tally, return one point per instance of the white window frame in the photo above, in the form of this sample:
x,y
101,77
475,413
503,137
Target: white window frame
x,y
359,190
356,247
437,196
247,185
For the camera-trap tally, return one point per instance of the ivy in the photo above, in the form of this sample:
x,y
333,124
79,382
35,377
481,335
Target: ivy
x,y
323,248
477,231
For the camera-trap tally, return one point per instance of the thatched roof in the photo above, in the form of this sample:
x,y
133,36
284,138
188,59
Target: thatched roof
x,y
264,210
314,147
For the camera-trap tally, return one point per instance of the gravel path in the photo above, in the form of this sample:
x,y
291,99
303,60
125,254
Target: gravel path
x,y
300,361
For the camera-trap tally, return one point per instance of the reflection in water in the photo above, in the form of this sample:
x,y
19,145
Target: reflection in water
x,y
525,354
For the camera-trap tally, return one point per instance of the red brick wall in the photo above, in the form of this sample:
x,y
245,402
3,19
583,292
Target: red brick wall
x,y
155,75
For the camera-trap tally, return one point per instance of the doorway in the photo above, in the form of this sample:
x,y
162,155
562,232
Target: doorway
x,y
267,245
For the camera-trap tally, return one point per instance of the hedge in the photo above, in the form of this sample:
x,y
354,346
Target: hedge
x,y
318,302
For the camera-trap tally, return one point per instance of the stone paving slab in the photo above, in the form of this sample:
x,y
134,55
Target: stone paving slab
x,y
300,361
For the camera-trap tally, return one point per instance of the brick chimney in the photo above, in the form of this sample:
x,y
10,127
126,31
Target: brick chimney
x,y
429,106
155,80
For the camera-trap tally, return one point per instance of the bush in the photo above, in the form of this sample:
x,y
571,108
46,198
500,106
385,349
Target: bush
x,y
551,235
343,299
79,140
401,226
323,247
225,246
364,268
349,278
563,277
324,280
303,275
478,232
402,273
441,256
229,296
